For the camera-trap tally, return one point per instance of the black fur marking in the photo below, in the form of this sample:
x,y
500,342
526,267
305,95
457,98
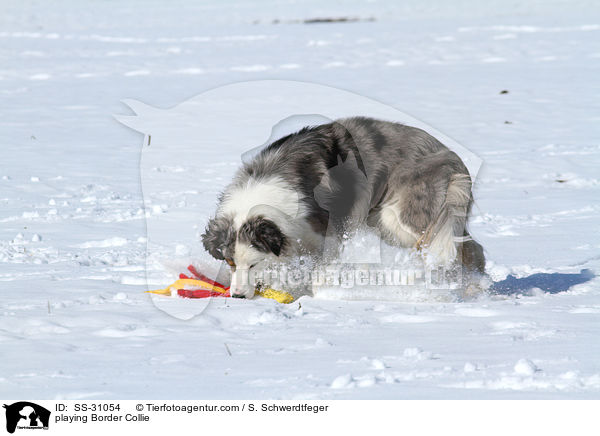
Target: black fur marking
x,y
349,145
380,187
379,141
263,234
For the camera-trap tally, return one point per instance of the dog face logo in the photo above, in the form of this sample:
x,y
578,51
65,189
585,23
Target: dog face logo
x,y
26,415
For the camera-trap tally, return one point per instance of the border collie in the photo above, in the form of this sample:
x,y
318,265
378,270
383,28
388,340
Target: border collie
x,y
321,183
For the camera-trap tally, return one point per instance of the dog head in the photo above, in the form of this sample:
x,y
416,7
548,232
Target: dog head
x,y
256,243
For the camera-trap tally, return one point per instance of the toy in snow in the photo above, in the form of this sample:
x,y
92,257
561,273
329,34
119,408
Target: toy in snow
x,y
200,286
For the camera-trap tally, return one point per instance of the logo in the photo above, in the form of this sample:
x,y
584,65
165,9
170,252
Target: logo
x,y
26,415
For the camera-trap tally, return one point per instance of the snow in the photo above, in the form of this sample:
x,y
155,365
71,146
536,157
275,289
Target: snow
x,y
525,367
74,319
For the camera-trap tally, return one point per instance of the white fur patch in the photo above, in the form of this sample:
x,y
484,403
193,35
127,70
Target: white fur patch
x,y
443,246
400,232
247,259
258,196
246,255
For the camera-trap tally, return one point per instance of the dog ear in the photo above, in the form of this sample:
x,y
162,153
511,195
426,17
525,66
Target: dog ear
x,y
218,234
268,237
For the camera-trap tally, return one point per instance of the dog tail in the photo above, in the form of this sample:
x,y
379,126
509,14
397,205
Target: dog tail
x,y
448,227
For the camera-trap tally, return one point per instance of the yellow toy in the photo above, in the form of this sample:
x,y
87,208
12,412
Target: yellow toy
x,y
203,287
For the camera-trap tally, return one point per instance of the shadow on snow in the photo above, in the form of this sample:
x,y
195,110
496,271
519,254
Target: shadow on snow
x,y
551,283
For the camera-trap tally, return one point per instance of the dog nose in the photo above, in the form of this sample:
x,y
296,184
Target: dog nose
x,y
238,296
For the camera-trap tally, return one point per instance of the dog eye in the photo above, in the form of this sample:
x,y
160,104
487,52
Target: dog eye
x,y
230,262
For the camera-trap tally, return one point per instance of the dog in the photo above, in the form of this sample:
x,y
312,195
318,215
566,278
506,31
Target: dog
x,y
306,192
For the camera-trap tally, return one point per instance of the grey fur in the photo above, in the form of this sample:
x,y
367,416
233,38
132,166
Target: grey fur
x,y
346,172
219,237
